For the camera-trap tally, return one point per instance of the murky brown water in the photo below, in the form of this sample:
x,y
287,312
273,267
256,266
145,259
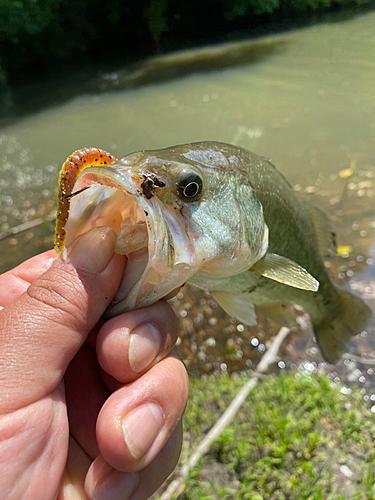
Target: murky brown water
x,y
305,99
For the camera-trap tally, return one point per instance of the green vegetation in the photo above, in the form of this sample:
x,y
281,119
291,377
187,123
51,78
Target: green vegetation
x,y
156,17
295,438
239,8
36,34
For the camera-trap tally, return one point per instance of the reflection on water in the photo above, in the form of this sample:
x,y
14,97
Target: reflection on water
x,y
306,100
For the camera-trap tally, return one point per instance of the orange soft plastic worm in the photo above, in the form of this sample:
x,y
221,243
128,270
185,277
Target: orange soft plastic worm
x,y
75,163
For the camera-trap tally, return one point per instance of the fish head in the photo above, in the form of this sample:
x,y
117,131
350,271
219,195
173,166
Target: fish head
x,y
175,215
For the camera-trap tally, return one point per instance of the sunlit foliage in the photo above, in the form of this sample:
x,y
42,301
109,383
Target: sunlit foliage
x,y
37,33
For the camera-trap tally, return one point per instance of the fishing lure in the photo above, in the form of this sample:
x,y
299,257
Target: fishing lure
x,y
73,166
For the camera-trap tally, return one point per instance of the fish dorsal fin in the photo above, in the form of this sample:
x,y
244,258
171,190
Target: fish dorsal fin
x,y
284,270
324,231
237,305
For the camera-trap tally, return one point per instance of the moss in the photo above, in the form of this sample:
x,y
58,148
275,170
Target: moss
x,y
294,438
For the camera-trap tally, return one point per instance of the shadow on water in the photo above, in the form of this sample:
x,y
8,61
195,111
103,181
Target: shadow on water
x,y
181,64
63,82
77,81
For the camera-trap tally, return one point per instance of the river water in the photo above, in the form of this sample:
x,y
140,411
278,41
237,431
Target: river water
x,y
305,99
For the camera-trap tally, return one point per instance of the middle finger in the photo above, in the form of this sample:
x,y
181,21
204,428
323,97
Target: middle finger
x,y
131,343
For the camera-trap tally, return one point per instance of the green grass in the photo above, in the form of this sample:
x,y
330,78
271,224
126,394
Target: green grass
x,y
290,440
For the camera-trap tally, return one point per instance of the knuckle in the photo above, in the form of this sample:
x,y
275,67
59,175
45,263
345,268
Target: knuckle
x,y
60,296
172,376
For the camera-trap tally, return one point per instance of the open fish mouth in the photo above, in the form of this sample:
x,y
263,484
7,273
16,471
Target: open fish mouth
x,y
155,245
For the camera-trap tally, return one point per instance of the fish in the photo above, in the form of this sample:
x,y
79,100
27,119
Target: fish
x,y
218,217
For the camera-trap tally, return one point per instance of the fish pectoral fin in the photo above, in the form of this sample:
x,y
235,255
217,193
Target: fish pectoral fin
x,y
280,314
237,305
286,271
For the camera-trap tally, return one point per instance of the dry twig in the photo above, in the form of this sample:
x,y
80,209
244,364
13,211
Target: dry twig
x,y
25,226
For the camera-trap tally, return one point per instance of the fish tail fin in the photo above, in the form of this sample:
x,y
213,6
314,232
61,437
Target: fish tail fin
x,y
333,336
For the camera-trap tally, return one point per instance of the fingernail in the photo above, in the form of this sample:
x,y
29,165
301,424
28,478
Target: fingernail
x,y
117,486
140,428
93,251
144,346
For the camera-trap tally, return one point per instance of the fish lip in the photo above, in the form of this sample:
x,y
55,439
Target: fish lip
x,y
160,240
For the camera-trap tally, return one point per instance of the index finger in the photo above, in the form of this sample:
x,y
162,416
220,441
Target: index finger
x,y
15,282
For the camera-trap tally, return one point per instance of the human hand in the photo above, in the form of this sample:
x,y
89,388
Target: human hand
x,y
87,409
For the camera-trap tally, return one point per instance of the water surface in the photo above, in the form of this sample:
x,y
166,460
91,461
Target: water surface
x,y
305,99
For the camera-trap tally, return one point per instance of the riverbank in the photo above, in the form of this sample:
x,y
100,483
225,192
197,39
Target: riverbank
x,y
32,52
297,436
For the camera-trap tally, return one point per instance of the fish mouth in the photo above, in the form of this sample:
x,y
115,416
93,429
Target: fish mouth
x,y
158,259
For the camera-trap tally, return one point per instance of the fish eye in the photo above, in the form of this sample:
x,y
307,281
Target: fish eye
x,y
190,187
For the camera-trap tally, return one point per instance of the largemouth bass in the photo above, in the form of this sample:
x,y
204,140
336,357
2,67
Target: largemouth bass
x,y
219,217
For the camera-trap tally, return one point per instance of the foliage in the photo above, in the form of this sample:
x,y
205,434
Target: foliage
x,y
26,16
36,33
155,15
314,5
234,8
310,4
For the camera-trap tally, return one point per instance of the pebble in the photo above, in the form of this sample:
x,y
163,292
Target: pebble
x,y
344,469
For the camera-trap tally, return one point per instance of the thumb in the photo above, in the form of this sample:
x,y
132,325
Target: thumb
x,y
42,331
